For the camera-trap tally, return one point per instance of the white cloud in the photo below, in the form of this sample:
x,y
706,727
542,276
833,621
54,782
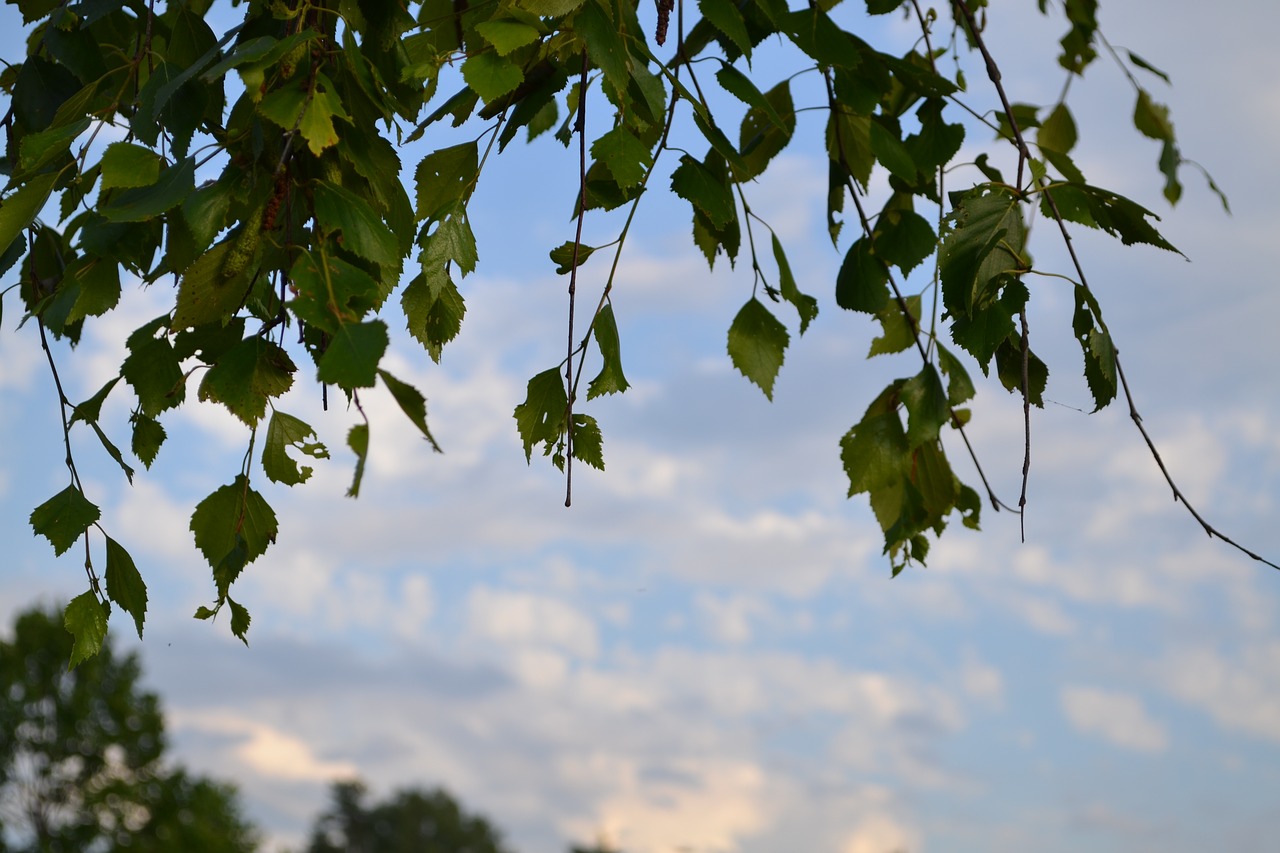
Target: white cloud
x,y
882,834
510,618
1240,691
263,749
1118,718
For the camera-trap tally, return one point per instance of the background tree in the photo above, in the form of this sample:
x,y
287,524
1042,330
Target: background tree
x,y
81,757
409,821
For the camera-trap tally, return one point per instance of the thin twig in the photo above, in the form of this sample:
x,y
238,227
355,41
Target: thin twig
x,y
573,280
996,503
1026,424
1025,153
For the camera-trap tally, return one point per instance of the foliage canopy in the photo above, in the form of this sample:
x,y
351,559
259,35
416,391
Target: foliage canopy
x,y
255,175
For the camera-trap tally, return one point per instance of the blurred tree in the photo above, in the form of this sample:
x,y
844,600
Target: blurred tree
x,y
411,821
80,757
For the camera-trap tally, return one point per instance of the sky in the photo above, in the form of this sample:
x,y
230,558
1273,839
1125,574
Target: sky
x,y
707,652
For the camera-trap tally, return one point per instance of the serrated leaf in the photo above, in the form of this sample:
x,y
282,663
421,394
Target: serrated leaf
x,y
1009,369
358,441
233,526
363,231
98,281
491,76
1100,367
588,444
706,191
540,418
452,242
239,620
125,585
127,165
874,452
203,612
247,376
985,242
610,380
626,157
90,410
64,518
412,403
331,291
740,86
445,178
433,310
148,435
757,343
726,18
605,44
86,620
284,432
351,361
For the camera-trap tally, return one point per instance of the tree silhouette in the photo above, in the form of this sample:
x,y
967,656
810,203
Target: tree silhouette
x,y
81,754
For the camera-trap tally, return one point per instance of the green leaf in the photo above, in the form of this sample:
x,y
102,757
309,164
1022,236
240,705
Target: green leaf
x,y
1058,131
38,150
883,7
98,280
205,294
1100,366
363,230
233,527
874,451
926,404
506,34
610,379
412,403
20,209
434,309
904,238
285,431
445,178
327,298
540,418
706,191
959,386
887,147
135,205
127,165
152,369
862,284
64,518
760,138
626,157
726,18
1009,369
125,585
548,8
452,241
358,441
757,342
588,444
899,330
1152,119
491,76
740,86
806,306
239,620
605,44
562,256
986,240
90,410
148,435
351,361
247,376
205,211
1146,66
86,620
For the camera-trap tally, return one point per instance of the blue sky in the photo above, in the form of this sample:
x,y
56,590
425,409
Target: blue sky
x,y
706,652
